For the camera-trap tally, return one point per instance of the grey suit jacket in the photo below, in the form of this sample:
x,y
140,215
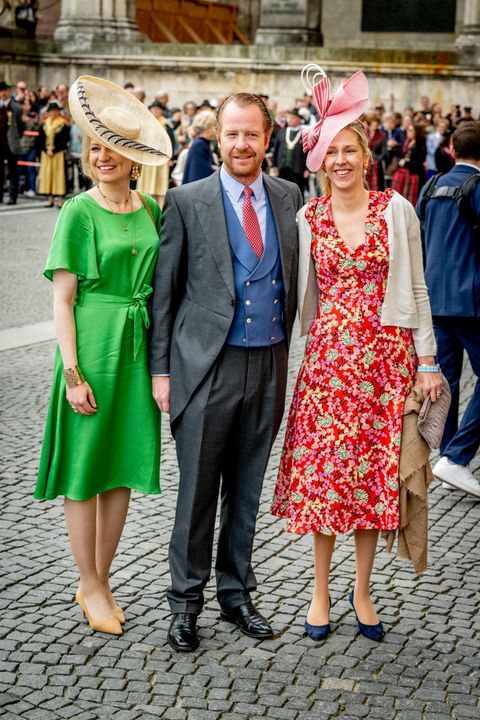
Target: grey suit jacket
x,y
194,299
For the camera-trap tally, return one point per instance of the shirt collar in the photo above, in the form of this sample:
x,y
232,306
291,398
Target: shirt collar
x,y
471,165
235,188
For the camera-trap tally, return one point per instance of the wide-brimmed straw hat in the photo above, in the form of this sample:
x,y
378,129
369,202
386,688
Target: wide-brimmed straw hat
x,y
334,112
117,119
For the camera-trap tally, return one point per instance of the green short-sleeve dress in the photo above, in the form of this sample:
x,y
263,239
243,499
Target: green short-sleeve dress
x,y
119,446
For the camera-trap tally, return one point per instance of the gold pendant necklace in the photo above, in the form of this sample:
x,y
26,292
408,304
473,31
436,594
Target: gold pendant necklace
x,y
123,226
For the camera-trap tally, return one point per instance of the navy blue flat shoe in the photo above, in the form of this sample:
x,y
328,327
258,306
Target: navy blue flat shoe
x,y
372,632
318,632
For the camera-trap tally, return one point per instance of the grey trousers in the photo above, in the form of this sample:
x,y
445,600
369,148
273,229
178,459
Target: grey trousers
x,y
223,439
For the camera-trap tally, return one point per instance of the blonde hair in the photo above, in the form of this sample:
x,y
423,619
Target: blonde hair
x,y
357,128
85,166
203,120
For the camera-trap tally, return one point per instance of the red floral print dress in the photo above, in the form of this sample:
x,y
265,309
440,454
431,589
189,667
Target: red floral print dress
x,y
340,459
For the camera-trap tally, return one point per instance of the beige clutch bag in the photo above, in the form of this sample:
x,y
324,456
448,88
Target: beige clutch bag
x,y
433,415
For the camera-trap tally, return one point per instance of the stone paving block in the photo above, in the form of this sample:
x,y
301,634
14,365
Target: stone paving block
x,y
17,710
242,696
196,714
465,711
165,690
175,714
39,714
8,678
338,684
127,714
215,693
323,712
298,703
194,702
196,680
219,705
7,699
282,713
462,699
85,671
382,714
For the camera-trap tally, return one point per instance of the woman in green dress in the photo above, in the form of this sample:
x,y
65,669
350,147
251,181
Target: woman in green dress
x,y
102,437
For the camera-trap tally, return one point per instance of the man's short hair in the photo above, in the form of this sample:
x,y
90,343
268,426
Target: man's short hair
x,y
466,141
243,100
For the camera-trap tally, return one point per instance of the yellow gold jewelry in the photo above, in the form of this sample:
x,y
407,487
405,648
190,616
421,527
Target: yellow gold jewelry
x,y
117,216
135,172
73,376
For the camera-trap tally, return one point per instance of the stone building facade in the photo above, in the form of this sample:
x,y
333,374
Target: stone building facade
x,y
102,37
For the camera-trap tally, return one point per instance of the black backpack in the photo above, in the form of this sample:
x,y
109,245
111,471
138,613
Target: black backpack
x,y
461,194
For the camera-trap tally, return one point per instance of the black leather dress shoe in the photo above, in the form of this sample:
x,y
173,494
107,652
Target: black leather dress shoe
x,y
182,633
249,620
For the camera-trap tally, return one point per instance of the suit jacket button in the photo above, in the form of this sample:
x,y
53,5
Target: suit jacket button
x,y
232,302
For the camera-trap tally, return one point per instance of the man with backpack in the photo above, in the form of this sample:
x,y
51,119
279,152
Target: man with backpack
x,y
449,212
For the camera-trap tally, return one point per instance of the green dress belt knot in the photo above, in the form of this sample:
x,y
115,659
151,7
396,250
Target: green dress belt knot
x,y
137,309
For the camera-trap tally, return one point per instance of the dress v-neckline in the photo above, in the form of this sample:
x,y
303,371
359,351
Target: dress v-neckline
x,y
349,250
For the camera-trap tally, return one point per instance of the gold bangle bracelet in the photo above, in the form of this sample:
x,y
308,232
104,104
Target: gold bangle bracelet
x,y
73,376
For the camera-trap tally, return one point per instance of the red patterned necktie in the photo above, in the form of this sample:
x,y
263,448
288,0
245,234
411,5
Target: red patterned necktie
x,y
251,226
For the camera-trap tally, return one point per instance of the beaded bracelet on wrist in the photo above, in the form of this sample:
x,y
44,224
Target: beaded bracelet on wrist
x,y
429,368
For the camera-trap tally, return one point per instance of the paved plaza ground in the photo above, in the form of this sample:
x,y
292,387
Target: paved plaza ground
x,y
53,666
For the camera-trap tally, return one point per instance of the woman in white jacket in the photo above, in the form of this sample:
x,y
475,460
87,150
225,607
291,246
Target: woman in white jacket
x,y
364,304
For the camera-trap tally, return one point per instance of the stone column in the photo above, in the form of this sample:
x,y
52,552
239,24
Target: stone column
x,y
289,22
82,24
468,41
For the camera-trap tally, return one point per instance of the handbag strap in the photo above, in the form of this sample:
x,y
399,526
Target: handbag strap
x,y
146,205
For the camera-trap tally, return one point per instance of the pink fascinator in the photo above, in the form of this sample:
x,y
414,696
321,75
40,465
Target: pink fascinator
x,y
334,112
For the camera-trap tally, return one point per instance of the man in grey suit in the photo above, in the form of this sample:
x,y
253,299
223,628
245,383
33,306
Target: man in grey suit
x,y
223,310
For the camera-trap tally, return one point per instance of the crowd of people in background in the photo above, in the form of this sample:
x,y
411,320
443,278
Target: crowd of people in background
x,y
43,150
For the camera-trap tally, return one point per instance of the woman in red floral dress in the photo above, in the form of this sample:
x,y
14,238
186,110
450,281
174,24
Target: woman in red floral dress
x,y
339,466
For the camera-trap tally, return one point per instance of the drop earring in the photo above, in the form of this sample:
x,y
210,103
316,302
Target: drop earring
x,y
135,171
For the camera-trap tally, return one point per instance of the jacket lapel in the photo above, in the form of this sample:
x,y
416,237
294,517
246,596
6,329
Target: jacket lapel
x,y
211,215
283,211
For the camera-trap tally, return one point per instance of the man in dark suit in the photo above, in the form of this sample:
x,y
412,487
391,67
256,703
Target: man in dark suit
x,y
288,156
11,130
452,274
223,311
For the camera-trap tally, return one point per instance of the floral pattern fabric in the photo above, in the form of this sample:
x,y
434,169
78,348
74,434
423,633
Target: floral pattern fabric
x,y
340,459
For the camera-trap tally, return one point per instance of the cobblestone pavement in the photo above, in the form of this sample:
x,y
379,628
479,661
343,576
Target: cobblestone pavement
x,y
53,666
25,236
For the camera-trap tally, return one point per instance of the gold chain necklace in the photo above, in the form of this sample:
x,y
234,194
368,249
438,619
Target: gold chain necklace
x,y
116,215
117,202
